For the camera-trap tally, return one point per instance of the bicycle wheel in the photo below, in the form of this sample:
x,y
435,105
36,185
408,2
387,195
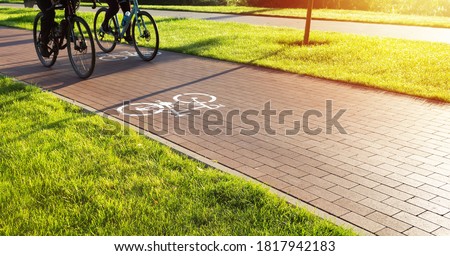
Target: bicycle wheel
x,y
145,36
106,42
52,44
80,47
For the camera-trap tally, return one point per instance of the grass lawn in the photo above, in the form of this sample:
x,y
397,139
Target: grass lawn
x,y
320,14
409,67
67,172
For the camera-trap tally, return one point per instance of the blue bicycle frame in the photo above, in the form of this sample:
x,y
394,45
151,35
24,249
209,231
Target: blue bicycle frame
x,y
133,14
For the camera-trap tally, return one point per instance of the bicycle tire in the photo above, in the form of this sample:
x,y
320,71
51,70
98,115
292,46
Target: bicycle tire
x,y
82,55
145,36
107,43
53,47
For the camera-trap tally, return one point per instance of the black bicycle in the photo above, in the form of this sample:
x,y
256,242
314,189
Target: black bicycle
x,y
72,33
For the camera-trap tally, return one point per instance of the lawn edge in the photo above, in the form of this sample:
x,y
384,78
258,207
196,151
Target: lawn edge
x,y
194,156
145,7
300,18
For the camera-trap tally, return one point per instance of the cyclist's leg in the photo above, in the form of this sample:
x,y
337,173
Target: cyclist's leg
x,y
125,6
46,24
113,8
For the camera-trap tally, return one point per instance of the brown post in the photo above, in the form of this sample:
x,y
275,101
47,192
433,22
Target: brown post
x,y
308,22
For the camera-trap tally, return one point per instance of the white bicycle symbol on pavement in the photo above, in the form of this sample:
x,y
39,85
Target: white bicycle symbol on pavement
x,y
123,55
184,104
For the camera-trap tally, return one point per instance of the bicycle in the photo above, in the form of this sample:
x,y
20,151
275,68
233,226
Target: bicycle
x,y
72,33
143,31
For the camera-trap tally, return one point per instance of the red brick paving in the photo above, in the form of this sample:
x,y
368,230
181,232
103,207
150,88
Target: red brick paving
x,y
390,175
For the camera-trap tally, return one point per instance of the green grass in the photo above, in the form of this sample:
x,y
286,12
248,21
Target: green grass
x,y
67,172
409,67
320,14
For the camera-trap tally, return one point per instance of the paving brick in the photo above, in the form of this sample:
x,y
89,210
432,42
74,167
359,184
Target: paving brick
x,y
374,170
383,180
329,206
347,160
347,193
289,161
436,191
230,163
427,205
248,161
425,160
341,181
370,193
361,180
404,179
415,192
247,153
274,182
229,153
269,161
320,192
442,232
436,219
416,232
318,181
393,192
313,170
355,170
415,169
251,172
354,206
361,221
441,169
309,161
270,171
300,194
296,172
388,232
446,187
285,152
440,177
334,170
416,222
404,206
441,201
395,170
379,206
323,152
388,221
295,181
426,180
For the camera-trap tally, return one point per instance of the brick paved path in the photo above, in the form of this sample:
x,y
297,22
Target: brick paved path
x,y
396,31
390,174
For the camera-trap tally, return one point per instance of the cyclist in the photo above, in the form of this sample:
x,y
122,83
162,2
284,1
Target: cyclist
x,y
113,8
46,25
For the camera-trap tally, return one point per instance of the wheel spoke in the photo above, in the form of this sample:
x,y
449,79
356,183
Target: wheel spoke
x,y
81,48
106,42
145,35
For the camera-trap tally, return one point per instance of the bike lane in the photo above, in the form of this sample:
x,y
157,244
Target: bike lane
x,y
374,159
